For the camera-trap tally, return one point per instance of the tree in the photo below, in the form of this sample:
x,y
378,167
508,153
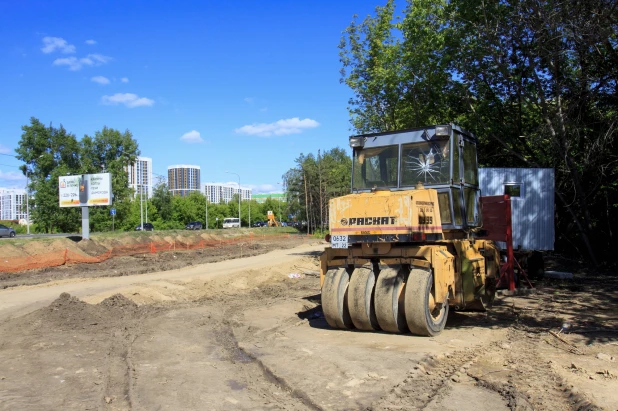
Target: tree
x,y
162,200
546,71
534,79
399,71
312,184
49,153
110,151
53,152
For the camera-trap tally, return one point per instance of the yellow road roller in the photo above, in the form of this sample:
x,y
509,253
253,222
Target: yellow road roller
x,y
402,248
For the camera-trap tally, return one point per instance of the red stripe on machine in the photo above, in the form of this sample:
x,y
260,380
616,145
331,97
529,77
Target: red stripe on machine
x,y
386,228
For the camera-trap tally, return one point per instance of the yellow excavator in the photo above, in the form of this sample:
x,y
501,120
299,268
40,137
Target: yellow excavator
x,y
402,251
272,220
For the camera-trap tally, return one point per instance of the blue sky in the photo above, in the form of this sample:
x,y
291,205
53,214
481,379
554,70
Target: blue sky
x,y
243,86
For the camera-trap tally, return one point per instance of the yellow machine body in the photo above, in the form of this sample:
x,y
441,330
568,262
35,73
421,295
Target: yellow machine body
x,y
403,253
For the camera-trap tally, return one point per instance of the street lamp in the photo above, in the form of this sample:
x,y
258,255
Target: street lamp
x,y
229,172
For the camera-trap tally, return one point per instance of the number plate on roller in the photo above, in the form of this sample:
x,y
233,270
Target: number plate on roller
x,y
339,241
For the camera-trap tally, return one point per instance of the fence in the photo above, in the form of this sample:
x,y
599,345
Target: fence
x,y
66,256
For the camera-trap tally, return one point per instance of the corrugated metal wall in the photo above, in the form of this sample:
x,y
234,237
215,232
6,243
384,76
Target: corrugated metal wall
x,y
533,210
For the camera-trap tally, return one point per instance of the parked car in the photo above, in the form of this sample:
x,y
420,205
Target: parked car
x,y
260,224
284,224
6,231
147,227
195,225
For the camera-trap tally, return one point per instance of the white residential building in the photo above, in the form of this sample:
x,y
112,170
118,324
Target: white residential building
x,y
13,205
140,176
224,192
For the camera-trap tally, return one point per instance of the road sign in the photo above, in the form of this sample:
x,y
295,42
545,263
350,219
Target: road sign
x,y
112,211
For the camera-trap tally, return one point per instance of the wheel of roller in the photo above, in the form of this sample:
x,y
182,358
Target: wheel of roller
x,y
334,298
388,296
360,299
424,317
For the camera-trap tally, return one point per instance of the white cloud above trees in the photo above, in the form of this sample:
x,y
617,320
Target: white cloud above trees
x,y
129,100
278,128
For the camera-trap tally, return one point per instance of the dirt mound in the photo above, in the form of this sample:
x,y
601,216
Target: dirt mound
x,y
120,307
92,248
69,312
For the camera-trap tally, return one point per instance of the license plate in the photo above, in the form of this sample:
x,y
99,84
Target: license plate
x,y
339,241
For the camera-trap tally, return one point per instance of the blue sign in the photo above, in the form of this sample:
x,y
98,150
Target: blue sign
x,y
112,211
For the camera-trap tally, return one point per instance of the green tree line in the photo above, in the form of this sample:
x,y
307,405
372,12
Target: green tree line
x,y
313,182
50,152
534,79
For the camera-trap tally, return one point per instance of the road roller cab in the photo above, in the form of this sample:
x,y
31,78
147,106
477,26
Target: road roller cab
x,y
401,252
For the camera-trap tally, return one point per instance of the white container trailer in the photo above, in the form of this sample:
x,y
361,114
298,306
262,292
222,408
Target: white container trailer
x,y
532,203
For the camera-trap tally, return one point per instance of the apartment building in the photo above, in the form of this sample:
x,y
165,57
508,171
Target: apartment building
x,y
13,205
183,179
140,176
224,192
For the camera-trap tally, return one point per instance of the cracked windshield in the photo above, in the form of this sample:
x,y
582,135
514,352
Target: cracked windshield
x,y
425,162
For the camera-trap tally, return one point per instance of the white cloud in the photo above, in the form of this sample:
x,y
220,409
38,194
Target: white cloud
x,y
75,63
51,44
265,188
192,136
124,80
128,99
12,176
91,42
100,80
5,150
278,128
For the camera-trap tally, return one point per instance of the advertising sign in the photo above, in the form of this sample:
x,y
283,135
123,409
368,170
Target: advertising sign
x,y
85,190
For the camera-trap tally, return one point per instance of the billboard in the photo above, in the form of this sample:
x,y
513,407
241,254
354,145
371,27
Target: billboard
x,y
85,190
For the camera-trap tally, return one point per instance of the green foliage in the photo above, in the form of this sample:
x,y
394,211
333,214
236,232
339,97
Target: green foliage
x,y
313,182
51,152
535,80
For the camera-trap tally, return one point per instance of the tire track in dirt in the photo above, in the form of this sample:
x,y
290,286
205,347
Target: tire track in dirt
x,y
511,367
117,393
259,377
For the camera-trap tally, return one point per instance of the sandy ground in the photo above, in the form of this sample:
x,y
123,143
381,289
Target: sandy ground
x,y
242,334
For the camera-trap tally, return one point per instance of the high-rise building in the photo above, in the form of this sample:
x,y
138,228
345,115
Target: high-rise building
x,y
140,176
224,192
183,179
13,205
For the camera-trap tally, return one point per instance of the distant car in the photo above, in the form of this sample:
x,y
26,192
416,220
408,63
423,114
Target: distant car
x,y
284,224
260,224
6,231
196,225
147,227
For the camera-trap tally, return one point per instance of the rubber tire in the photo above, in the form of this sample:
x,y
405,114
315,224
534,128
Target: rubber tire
x,y
334,299
11,234
387,296
360,299
418,316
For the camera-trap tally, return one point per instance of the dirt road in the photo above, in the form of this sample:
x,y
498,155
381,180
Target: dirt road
x,y
242,334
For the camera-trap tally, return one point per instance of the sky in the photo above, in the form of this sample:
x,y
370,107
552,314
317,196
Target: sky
x,y
239,86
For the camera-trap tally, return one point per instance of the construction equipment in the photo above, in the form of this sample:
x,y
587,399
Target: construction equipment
x,y
402,251
272,221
